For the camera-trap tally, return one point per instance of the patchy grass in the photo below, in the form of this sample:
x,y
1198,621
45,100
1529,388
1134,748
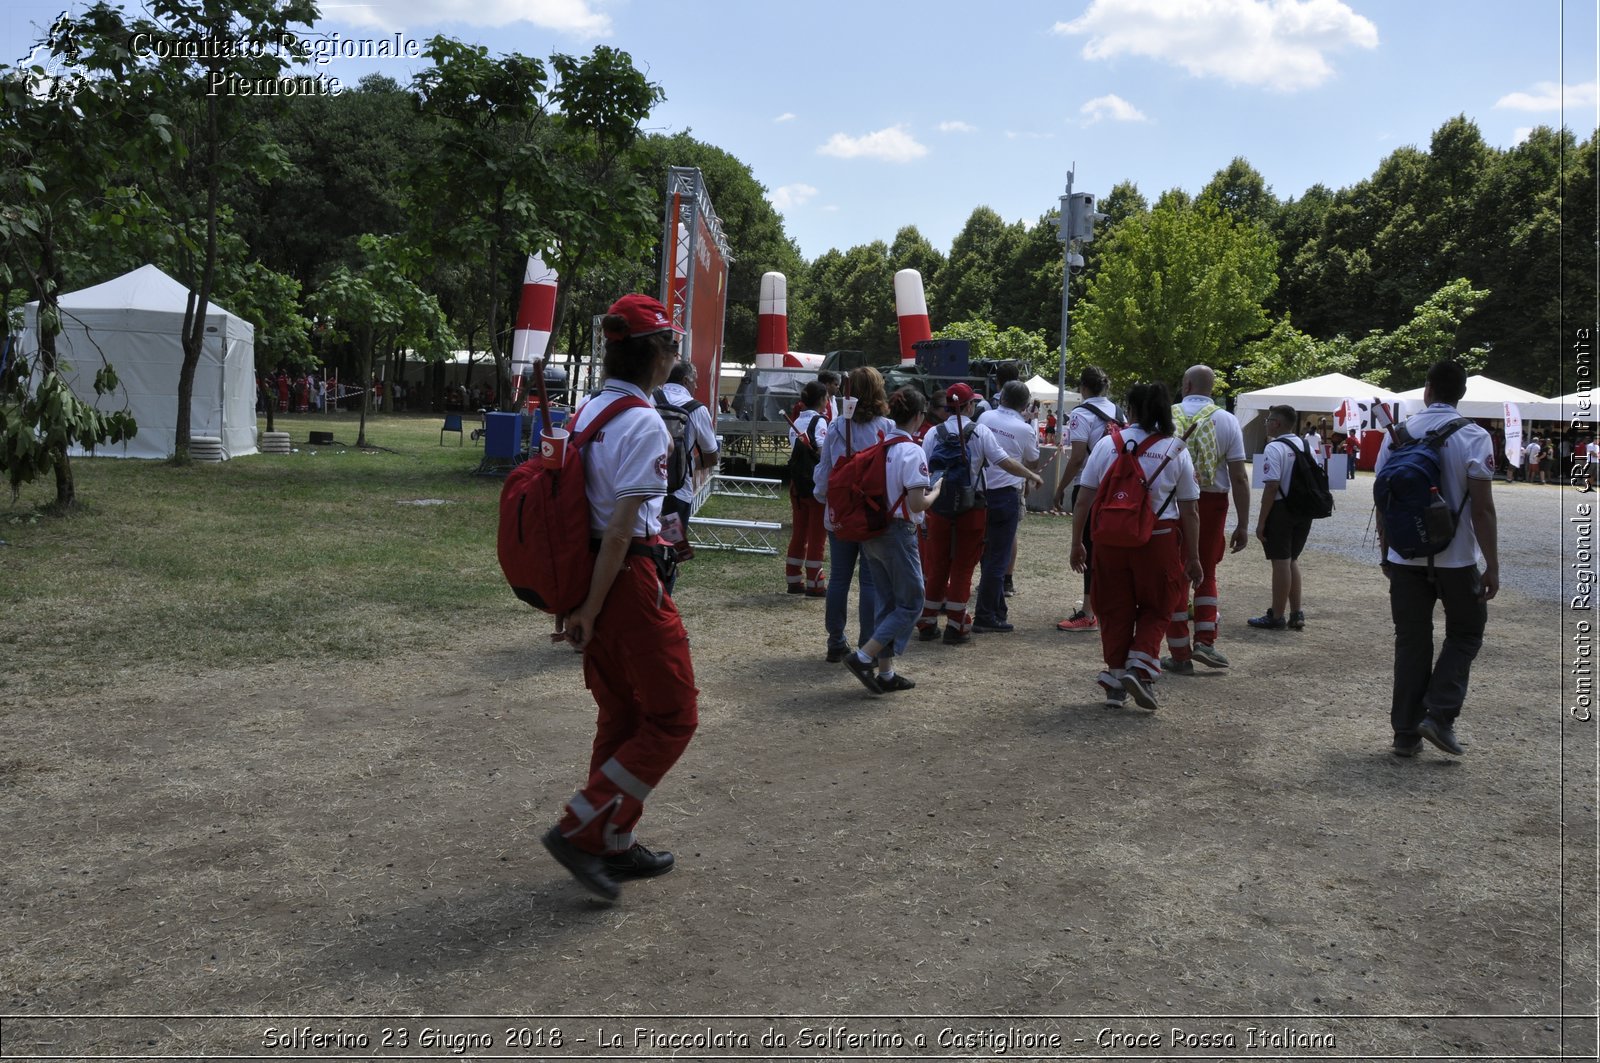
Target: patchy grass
x,y
313,556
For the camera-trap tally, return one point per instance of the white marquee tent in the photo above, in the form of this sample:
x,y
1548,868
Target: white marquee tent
x,y
1485,398
1314,395
1578,406
134,322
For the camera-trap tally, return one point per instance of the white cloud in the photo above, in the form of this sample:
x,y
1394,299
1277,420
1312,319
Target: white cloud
x,y
1551,96
1280,44
795,195
888,145
1113,107
786,116
577,18
957,127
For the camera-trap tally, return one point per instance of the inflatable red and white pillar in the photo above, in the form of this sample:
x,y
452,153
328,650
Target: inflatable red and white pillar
x,y
536,315
911,306
772,321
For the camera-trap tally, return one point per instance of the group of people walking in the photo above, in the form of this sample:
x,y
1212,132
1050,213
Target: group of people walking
x,y
1152,487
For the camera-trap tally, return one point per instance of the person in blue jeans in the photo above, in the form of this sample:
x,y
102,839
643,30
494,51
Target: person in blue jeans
x,y
865,425
893,557
1004,487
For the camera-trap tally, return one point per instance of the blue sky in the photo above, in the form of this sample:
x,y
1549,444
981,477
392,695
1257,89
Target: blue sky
x,y
861,117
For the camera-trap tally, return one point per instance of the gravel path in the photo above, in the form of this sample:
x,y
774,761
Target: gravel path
x,y
1538,544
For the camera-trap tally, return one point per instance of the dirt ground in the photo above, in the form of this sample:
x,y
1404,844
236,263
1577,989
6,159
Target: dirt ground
x,y
986,863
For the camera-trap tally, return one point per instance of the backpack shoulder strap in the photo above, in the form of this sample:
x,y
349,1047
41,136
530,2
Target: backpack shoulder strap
x,y
1446,430
628,402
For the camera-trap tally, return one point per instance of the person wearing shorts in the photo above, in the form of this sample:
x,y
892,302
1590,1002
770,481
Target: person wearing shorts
x,y
1282,534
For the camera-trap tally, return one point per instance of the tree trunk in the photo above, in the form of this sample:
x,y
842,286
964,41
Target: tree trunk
x,y
367,343
194,319
66,489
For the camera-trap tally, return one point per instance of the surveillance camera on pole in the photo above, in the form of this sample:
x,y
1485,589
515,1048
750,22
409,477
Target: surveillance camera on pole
x,y
1081,216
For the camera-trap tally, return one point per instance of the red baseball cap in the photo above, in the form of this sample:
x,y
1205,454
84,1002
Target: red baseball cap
x,y
644,315
959,395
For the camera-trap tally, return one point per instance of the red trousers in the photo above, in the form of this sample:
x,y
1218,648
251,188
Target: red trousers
x,y
807,541
638,669
1213,545
1134,588
951,547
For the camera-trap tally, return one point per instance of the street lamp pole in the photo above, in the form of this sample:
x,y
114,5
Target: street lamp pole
x,y
1066,286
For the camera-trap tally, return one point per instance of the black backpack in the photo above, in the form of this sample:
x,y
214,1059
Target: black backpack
x,y
803,459
677,422
1308,486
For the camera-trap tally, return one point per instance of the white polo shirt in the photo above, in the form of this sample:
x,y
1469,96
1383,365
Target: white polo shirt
x,y
700,434
1016,437
1084,427
1467,455
1230,440
982,448
817,429
1176,479
860,437
904,468
627,458
1277,461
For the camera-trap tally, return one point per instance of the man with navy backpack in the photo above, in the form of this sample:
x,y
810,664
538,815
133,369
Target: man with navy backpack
x,y
1436,521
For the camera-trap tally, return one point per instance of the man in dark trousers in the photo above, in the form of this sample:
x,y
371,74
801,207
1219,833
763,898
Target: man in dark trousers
x,y
1429,692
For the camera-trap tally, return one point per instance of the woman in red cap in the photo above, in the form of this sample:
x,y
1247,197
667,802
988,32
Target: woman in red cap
x,y
955,540
635,650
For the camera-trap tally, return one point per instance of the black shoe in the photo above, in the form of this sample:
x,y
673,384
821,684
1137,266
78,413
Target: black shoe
x,y
814,593
998,628
1407,745
1297,620
1010,587
638,862
837,653
928,634
588,868
952,637
797,588
866,671
1441,735
899,682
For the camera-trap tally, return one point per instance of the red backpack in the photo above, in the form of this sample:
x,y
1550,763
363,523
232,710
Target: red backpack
x,y
858,492
1121,515
544,524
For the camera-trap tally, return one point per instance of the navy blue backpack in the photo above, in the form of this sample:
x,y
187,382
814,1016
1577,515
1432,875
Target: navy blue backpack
x,y
1417,522
949,462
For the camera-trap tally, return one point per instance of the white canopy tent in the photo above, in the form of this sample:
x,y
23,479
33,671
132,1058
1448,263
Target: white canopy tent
x,y
1314,395
1485,398
1044,392
134,322
1576,407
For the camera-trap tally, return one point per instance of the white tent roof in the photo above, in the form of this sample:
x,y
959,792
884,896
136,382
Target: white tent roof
x,y
134,322
1318,394
1578,406
1045,390
1487,398
146,288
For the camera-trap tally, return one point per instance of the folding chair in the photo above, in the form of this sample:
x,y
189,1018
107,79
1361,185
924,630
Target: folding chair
x,y
452,423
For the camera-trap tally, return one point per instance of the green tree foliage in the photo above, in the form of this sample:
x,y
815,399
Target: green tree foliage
x,y
753,227
1286,355
66,135
1009,344
1404,354
970,282
1174,287
532,157
379,308
853,293
1239,190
